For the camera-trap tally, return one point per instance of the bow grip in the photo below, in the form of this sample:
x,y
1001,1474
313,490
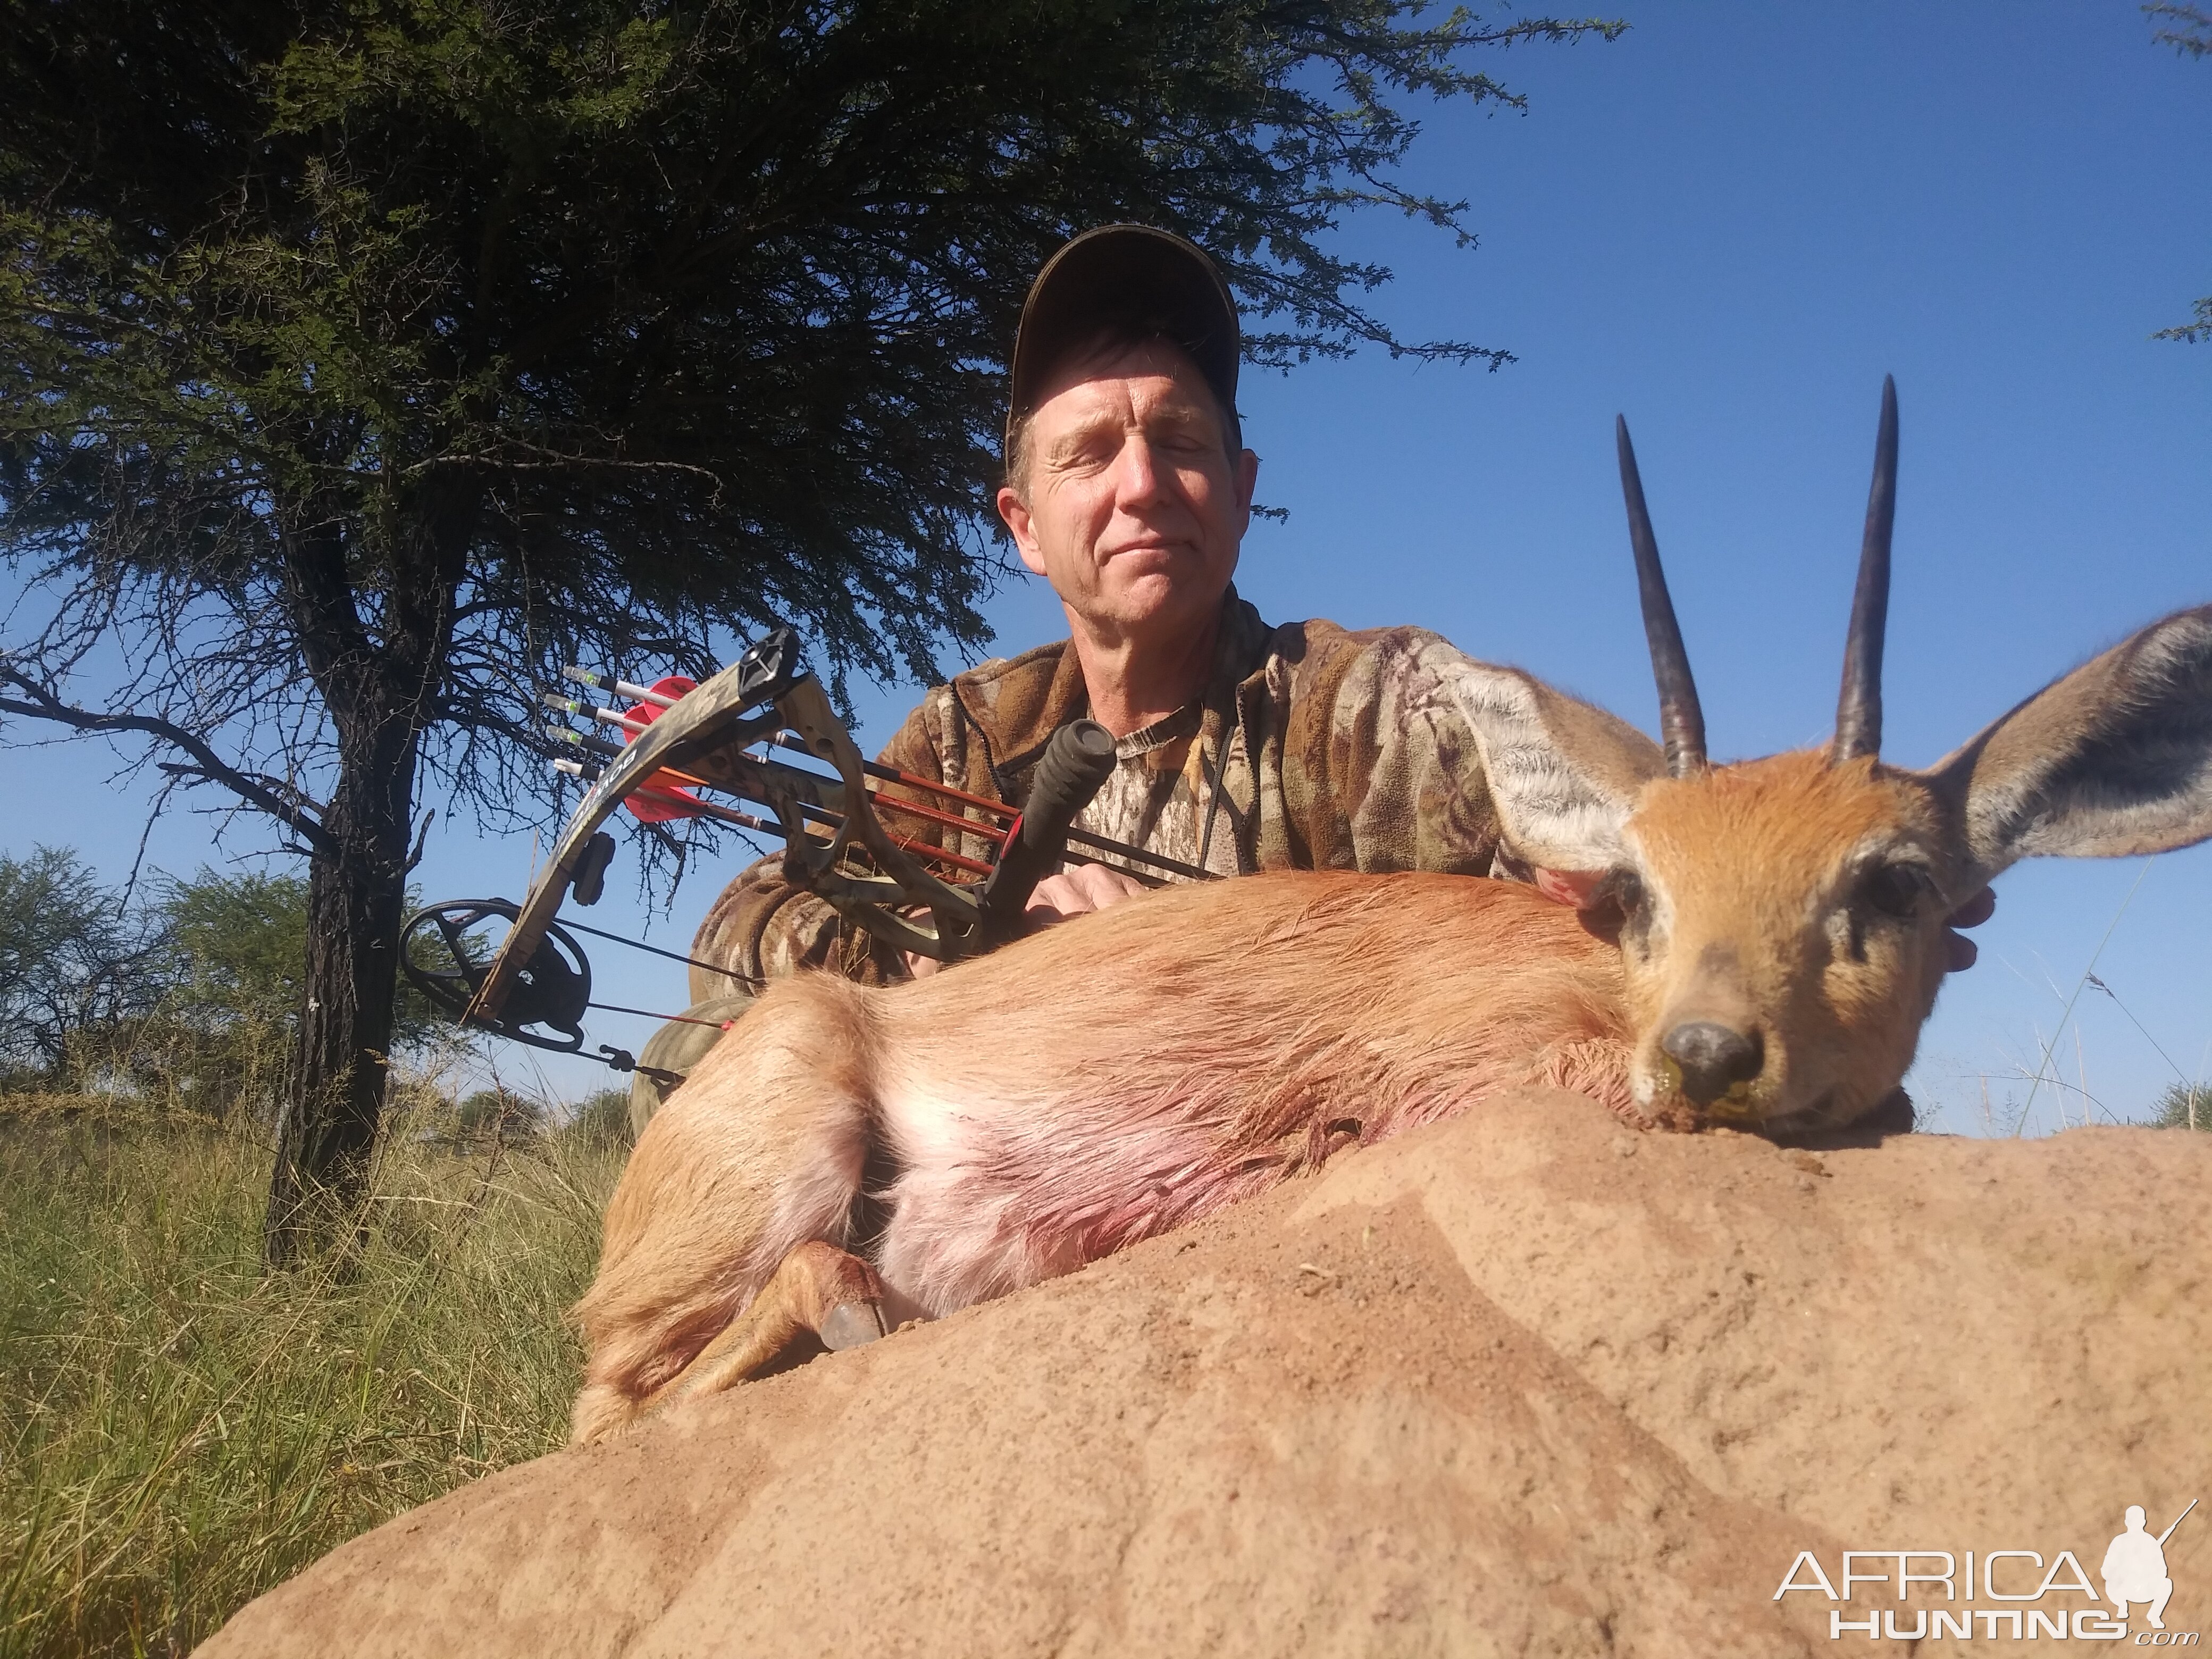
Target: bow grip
x,y
1078,760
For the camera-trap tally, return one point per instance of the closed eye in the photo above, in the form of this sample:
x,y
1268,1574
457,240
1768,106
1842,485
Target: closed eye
x,y
1899,890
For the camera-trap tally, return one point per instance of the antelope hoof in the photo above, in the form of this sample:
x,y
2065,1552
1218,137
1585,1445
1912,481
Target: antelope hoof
x,y
850,1324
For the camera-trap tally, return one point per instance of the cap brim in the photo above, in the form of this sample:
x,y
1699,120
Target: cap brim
x,y
1133,275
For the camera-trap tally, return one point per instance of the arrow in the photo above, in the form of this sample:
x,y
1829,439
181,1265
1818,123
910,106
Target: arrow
x,y
655,700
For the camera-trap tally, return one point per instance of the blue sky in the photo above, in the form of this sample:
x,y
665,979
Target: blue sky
x,y
1729,225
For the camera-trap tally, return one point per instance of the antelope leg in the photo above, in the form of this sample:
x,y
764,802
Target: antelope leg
x,y
818,1290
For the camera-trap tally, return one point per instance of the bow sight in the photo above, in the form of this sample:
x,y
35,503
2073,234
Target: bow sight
x,y
722,736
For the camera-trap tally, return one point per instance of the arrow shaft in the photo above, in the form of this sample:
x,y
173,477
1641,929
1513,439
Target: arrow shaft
x,y
821,815
892,774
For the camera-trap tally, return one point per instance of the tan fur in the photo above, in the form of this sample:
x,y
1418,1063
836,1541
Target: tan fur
x,y
1751,866
1501,988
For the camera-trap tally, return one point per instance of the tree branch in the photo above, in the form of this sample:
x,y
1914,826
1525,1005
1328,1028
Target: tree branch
x,y
191,771
42,704
421,835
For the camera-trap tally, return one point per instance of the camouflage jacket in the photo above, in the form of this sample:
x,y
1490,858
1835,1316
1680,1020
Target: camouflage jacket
x,y
1314,747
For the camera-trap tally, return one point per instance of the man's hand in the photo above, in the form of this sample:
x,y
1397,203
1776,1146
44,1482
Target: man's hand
x,y
1084,888
1073,892
1566,886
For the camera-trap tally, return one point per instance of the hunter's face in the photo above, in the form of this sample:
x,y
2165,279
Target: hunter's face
x,y
1131,506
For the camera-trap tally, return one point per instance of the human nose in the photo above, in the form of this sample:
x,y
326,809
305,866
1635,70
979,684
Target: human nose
x,y
1139,480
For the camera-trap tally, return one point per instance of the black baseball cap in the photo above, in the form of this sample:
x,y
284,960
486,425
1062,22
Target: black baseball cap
x,y
1153,281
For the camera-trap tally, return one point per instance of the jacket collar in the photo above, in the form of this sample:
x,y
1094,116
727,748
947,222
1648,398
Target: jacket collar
x,y
1015,705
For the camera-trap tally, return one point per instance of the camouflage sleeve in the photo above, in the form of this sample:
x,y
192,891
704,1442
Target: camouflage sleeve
x,y
763,928
1380,771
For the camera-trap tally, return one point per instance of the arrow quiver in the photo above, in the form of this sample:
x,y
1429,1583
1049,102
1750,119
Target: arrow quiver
x,y
722,736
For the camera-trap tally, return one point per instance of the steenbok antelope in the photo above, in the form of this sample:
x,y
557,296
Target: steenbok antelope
x,y
1761,950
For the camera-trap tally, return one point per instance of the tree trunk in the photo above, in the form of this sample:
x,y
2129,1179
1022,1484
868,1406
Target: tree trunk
x,y
357,897
378,686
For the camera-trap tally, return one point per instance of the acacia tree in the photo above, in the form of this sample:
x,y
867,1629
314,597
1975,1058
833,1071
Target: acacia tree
x,y
2188,30
365,359
72,959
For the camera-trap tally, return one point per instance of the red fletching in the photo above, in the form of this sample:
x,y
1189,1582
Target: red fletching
x,y
654,810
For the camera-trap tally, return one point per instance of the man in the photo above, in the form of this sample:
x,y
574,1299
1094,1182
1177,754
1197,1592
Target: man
x,y
1242,747
2135,1570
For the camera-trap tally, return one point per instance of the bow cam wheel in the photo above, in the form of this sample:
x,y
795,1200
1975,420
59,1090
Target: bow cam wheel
x,y
444,959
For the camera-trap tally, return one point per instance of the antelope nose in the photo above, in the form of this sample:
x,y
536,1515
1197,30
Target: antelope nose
x,y
1713,1057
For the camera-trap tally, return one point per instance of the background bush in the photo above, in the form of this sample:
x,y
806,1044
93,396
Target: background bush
x,y
184,995
2185,1106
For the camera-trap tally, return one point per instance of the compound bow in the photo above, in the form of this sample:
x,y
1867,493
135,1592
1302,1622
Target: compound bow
x,y
680,739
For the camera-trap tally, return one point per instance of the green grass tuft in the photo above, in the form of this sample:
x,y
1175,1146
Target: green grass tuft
x,y
2184,1106
178,1432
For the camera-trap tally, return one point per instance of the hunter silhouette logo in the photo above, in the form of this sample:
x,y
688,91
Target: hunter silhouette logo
x,y
2133,1573
2134,1567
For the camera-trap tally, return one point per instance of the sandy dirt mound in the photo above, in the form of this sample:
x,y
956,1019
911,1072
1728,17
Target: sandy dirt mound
x,y
1527,1383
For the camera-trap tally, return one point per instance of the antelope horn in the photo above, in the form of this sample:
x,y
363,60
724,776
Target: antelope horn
x,y
1858,710
1682,722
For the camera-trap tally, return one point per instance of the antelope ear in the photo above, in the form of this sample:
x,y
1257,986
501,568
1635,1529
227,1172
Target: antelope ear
x,y
2113,760
1563,773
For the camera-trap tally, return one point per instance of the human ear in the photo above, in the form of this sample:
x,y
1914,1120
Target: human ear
x,y
1023,525
1248,480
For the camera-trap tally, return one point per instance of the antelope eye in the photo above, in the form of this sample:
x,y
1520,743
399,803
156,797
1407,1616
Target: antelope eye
x,y
1628,893
1617,902
1896,889
1620,889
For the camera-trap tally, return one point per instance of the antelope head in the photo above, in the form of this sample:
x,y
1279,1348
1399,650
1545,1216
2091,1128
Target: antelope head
x,y
1780,921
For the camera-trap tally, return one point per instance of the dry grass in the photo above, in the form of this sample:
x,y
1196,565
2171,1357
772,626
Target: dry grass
x,y
178,1432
